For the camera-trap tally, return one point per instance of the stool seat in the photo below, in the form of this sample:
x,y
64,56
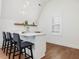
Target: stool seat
x,y
25,44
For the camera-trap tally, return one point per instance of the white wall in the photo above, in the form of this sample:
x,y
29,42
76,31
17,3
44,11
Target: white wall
x,y
19,11
0,22
0,6
68,10
22,9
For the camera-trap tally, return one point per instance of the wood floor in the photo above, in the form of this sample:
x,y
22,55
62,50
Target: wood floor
x,y
60,52
54,52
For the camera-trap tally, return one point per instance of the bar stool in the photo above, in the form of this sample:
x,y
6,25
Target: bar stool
x,y
4,42
22,46
7,43
10,45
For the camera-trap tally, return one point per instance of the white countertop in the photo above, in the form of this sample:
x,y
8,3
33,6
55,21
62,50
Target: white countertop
x,y
32,34
29,33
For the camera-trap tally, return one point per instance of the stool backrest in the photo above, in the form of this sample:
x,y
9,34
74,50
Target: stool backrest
x,y
16,38
8,35
4,35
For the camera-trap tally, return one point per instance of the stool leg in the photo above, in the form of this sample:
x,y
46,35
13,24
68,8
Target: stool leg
x,y
20,54
7,48
10,50
14,51
31,52
3,45
25,52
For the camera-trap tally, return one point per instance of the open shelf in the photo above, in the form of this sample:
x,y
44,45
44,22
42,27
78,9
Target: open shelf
x,y
22,24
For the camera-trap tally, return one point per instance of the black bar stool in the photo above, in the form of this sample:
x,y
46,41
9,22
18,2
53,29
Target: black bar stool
x,y
22,46
4,42
7,43
10,44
